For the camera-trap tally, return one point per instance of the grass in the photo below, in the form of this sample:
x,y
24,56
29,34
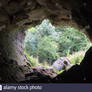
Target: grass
x,y
33,61
76,57
58,72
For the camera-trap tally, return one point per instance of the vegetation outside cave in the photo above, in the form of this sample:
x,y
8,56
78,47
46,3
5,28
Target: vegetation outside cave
x,y
45,43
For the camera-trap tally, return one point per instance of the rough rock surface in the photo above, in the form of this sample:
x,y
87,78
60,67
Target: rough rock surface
x,y
39,75
18,15
78,73
61,63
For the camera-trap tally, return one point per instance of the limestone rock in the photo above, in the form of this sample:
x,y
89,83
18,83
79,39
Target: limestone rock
x,y
61,64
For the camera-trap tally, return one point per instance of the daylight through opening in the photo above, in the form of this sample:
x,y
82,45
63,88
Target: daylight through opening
x,y
55,47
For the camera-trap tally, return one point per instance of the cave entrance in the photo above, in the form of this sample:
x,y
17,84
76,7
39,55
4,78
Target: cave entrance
x,y
45,43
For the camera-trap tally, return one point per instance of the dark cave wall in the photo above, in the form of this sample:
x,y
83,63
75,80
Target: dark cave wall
x,y
12,57
18,15
12,45
82,14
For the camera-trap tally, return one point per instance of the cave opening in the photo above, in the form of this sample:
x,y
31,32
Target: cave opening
x,y
46,44
14,67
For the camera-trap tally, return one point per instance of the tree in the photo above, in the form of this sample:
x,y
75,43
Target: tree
x,y
41,41
47,49
49,42
72,40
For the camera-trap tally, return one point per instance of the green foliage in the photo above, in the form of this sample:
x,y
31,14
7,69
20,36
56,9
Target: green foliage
x,y
49,43
31,43
76,57
71,40
47,49
33,61
46,29
41,42
58,72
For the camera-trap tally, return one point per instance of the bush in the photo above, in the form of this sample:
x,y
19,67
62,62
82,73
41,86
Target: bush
x,y
41,41
76,57
33,61
71,40
47,50
48,43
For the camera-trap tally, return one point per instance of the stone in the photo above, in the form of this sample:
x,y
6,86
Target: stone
x,y
61,64
17,14
78,73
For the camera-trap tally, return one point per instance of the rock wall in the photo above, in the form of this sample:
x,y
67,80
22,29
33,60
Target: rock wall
x,y
18,15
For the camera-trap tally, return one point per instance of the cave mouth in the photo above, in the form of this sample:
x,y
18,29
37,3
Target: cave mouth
x,y
13,63
45,44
